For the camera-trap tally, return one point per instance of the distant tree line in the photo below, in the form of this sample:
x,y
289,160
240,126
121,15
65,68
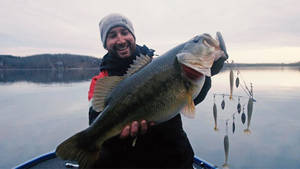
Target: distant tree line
x,y
71,61
47,75
263,64
49,61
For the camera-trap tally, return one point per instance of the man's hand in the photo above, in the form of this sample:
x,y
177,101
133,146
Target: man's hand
x,y
135,128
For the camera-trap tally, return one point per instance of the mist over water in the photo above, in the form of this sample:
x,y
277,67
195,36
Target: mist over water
x,y
41,109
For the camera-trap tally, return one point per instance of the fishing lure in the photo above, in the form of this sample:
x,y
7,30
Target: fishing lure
x,y
223,103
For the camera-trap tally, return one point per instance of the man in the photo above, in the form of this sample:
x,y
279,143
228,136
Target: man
x,y
163,145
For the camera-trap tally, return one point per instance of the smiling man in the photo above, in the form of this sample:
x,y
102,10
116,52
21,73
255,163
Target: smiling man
x,y
163,145
117,36
120,42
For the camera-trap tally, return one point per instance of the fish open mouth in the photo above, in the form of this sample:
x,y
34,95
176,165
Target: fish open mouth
x,y
198,56
218,44
191,73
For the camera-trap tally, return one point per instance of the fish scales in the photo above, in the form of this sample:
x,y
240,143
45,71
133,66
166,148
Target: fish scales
x,y
156,92
165,80
162,90
131,107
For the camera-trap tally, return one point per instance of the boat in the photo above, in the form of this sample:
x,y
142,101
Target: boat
x,y
51,161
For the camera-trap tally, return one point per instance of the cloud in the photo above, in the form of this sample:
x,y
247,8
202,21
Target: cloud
x,y
73,24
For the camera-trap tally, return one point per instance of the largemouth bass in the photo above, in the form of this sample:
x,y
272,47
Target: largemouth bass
x,y
154,91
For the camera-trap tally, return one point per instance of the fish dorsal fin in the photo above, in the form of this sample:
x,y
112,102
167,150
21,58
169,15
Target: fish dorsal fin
x,y
102,89
189,110
138,64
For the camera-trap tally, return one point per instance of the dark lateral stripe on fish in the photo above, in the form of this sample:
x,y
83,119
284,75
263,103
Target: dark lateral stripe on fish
x,y
143,99
191,73
156,92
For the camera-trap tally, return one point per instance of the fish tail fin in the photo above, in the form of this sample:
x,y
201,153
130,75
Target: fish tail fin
x,y
78,150
247,131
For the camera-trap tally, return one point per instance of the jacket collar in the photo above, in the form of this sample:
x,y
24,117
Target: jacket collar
x,y
116,66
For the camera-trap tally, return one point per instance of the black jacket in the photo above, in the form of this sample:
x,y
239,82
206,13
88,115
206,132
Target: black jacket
x,y
163,146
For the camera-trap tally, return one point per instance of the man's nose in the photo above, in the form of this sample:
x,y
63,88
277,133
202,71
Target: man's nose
x,y
120,38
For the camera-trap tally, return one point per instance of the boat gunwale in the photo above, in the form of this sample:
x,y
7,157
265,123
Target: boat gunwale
x,y
51,155
36,160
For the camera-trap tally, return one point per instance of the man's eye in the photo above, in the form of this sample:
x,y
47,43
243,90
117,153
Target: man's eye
x,y
124,33
112,35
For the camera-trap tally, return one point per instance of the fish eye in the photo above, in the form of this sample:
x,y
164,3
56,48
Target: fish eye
x,y
196,39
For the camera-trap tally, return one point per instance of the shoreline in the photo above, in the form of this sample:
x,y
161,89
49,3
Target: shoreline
x,y
60,69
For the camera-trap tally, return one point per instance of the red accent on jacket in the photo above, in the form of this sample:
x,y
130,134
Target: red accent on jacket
x,y
93,83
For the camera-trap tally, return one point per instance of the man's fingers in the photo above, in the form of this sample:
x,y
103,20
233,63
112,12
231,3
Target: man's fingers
x,y
134,128
151,123
125,132
144,126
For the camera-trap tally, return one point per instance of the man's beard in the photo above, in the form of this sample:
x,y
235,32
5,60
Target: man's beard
x,y
115,49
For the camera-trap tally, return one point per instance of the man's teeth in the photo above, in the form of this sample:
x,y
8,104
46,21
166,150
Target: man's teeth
x,y
122,48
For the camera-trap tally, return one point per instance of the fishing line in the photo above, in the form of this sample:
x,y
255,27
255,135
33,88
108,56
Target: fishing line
x,y
231,105
246,89
238,70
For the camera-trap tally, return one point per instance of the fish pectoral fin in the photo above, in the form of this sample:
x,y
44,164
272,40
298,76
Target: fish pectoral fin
x,y
138,64
103,88
189,110
84,153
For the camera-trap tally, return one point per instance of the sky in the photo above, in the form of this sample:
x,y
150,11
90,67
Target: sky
x,y
255,31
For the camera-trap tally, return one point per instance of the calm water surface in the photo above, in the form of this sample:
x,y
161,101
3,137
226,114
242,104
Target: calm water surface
x,y
41,109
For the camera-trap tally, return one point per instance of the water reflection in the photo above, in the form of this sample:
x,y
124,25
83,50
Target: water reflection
x,y
264,68
47,76
226,148
233,102
49,114
229,114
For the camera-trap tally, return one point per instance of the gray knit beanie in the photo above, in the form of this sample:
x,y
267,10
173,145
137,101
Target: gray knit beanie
x,y
111,21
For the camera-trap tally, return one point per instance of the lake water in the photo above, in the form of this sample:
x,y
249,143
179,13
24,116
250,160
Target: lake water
x,y
39,109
